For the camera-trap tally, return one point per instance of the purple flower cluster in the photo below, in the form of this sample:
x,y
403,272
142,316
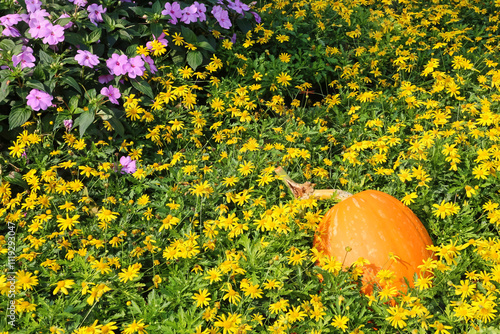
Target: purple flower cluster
x,y
197,12
187,15
121,64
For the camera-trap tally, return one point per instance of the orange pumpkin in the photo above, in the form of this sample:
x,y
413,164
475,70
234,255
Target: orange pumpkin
x,y
373,224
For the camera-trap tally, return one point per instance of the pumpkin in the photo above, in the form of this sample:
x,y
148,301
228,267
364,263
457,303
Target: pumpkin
x,y
377,227
371,225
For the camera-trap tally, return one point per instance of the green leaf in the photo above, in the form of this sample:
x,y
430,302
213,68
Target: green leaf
x,y
205,45
4,90
84,121
94,36
73,103
18,117
194,59
62,22
156,29
7,45
143,87
188,35
157,7
73,38
71,82
117,125
45,58
35,84
16,178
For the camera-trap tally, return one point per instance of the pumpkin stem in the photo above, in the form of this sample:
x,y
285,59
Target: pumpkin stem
x,y
306,190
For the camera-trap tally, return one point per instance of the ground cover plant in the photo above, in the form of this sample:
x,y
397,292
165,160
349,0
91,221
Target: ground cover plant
x,y
139,142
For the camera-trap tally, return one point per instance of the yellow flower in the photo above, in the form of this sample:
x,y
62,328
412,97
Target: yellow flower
x,y
202,298
26,280
284,79
128,274
17,150
246,168
63,286
340,322
397,317
68,223
136,327
409,198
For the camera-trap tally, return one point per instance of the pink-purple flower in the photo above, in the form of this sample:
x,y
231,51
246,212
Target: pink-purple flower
x,y
25,58
112,93
173,10
238,6
39,100
86,58
68,124
128,165
222,17
95,13
136,67
53,35
118,64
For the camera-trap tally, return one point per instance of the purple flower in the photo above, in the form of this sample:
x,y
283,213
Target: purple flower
x,y
201,10
151,63
10,31
38,99
25,58
118,64
222,17
33,5
79,3
257,17
95,13
136,67
68,124
112,93
128,165
10,19
54,34
104,79
173,10
189,14
238,6
39,27
86,58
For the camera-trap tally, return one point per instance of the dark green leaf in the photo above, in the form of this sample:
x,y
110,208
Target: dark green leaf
x,y
4,90
7,45
35,84
117,125
194,59
94,36
189,35
73,103
156,29
18,117
84,121
71,82
62,22
74,39
205,45
16,178
143,87
157,8
45,58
